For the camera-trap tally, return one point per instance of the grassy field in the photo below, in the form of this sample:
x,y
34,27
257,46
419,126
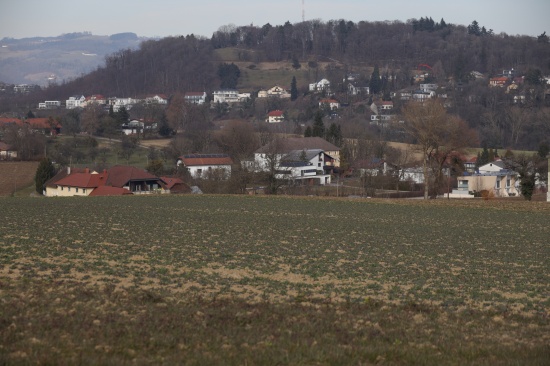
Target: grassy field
x,y
16,175
272,280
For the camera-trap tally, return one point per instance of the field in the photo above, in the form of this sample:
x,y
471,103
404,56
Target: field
x,y
273,280
16,175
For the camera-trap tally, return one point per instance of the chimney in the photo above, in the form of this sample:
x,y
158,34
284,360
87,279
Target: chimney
x,y
87,170
68,170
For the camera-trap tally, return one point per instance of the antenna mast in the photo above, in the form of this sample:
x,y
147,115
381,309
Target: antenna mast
x,y
303,11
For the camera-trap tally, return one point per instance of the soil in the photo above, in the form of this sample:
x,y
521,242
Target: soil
x,y
16,175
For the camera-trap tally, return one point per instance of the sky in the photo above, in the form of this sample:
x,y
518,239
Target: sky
x,y
161,18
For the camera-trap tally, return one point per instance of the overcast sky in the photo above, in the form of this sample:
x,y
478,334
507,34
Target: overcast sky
x,y
28,18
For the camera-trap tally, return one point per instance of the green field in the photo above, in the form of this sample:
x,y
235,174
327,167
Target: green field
x,y
273,280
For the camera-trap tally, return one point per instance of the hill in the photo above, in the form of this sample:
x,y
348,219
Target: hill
x,y
47,60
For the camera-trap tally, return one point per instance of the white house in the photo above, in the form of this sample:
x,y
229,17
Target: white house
x,y
356,89
229,96
285,150
49,104
421,95
74,101
329,103
275,116
195,97
304,167
118,103
94,99
202,165
276,92
156,99
320,86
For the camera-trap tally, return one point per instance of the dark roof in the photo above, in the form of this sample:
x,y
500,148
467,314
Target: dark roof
x,y
286,145
301,155
120,175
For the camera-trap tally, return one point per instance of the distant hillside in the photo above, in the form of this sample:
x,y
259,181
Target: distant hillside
x,y
317,49
45,60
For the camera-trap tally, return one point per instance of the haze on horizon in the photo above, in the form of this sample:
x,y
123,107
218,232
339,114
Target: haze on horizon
x,y
32,18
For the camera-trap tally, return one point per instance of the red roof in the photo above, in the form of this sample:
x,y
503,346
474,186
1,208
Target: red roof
x,y
170,182
329,101
83,180
109,191
5,147
206,159
7,121
276,113
33,122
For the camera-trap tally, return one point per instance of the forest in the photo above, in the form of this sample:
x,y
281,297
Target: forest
x,y
334,49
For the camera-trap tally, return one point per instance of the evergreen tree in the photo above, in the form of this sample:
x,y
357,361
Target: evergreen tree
x,y
474,28
308,132
375,82
44,172
229,75
484,157
318,125
293,89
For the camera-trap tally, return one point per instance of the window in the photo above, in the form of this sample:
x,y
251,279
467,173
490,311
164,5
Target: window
x,y
69,189
84,190
76,189
508,182
498,184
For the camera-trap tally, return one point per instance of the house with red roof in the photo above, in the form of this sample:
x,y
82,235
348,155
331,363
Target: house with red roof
x,y
75,183
201,165
499,81
118,180
175,185
7,152
329,103
275,116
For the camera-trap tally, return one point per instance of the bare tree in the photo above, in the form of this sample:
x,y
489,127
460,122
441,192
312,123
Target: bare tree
x,y
437,136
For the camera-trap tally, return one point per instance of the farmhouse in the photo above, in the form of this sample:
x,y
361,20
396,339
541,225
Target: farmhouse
x,y
74,183
117,180
202,165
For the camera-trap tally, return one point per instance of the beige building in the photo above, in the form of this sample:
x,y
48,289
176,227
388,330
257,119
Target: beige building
x,y
492,177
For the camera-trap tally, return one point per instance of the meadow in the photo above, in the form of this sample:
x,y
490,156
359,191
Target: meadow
x,y
273,280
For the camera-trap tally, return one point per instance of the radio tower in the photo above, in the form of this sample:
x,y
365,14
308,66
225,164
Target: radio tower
x,y
303,12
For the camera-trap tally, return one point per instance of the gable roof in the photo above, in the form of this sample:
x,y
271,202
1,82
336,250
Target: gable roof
x,y
205,159
83,180
275,113
120,175
286,145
